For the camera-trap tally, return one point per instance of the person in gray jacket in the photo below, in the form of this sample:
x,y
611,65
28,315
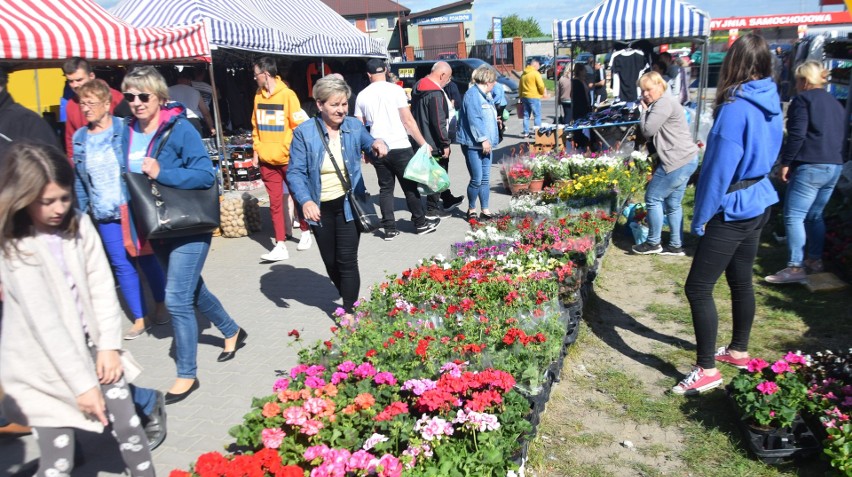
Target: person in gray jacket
x,y
663,121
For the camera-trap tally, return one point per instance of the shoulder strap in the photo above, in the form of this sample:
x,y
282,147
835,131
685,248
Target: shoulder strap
x,y
166,134
346,185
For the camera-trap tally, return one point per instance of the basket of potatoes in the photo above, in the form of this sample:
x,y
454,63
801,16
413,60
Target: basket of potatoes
x,y
240,215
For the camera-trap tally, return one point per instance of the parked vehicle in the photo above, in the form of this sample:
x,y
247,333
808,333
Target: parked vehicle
x,y
409,72
544,61
448,55
560,63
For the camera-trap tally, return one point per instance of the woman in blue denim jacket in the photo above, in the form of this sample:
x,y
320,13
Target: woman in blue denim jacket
x,y
314,183
100,189
478,134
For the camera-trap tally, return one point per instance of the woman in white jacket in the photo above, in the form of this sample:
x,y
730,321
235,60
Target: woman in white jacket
x,y
60,347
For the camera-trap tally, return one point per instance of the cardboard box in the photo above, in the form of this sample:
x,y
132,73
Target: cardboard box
x,y
248,185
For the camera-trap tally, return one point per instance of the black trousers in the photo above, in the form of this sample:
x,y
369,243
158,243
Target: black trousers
x,y
389,169
728,247
432,200
338,241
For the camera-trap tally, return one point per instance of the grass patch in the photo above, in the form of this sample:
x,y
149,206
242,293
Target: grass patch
x,y
631,396
670,314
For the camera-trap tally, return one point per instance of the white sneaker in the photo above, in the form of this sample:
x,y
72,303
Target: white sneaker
x,y
305,241
278,253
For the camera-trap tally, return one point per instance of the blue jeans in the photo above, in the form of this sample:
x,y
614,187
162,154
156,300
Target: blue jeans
x,y
810,188
479,168
124,269
663,197
182,259
531,106
144,399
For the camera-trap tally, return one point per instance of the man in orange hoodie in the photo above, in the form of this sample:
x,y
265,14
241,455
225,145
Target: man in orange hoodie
x,y
276,113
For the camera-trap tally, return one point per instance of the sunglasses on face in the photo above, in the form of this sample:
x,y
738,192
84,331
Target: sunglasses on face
x,y
144,97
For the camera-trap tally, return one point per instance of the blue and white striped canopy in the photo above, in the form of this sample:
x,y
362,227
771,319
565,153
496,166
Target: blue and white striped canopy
x,y
281,27
627,20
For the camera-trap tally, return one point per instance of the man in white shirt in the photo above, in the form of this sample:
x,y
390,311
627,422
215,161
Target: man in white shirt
x,y
196,108
383,108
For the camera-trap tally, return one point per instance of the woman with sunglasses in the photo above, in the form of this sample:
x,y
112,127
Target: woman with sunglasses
x,y
181,163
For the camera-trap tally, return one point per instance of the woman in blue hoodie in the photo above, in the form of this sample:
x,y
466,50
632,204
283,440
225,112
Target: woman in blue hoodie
x,y
732,202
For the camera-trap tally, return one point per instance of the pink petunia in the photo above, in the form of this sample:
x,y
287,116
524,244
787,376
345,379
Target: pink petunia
x,y
756,365
272,438
780,366
767,387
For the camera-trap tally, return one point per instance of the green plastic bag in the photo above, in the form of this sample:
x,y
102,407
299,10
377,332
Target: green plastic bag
x,y
425,170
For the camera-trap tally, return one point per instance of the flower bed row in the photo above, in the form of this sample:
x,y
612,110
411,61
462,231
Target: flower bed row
x,y
445,368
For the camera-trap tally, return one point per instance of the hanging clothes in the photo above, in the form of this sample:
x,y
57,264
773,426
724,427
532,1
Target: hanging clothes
x,y
626,66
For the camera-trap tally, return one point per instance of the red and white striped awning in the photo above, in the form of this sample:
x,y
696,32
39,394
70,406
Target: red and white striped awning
x,y
39,30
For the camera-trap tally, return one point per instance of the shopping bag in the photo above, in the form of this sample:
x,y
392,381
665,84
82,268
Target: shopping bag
x,y
425,170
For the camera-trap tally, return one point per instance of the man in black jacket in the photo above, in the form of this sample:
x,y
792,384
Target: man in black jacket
x,y
18,123
430,107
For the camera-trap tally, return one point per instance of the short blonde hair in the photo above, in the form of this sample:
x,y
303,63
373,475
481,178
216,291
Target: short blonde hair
x,y
146,79
483,75
654,78
813,73
327,87
96,88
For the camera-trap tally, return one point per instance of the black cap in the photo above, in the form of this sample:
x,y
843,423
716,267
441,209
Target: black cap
x,y
376,65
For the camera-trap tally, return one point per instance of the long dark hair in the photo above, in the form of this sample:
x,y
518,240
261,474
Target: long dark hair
x,y
24,172
748,59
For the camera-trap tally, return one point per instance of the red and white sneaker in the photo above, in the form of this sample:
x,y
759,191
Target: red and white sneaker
x,y
724,356
697,382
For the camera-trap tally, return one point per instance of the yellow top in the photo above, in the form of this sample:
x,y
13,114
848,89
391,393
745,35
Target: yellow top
x,y
332,188
531,85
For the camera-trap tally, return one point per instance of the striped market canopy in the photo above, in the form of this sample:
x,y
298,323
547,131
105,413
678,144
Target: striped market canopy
x,y
283,27
49,30
627,20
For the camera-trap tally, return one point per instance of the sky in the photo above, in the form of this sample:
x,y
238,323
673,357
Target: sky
x,y
545,11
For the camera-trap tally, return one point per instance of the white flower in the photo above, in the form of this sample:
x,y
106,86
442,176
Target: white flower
x,y
134,421
52,473
144,465
133,439
61,441
373,440
62,465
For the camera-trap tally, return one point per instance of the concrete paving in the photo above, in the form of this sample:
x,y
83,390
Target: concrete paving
x,y
267,300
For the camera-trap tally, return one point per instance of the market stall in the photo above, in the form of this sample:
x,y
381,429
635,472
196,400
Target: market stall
x,y
663,21
244,29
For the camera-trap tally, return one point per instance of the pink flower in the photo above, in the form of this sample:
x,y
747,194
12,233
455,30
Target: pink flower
x,y
315,405
270,409
390,466
364,370
295,416
373,440
433,428
297,370
767,387
385,378
272,438
280,384
339,311
794,358
311,427
346,366
419,386
314,370
362,460
780,366
313,452
314,382
756,365
339,377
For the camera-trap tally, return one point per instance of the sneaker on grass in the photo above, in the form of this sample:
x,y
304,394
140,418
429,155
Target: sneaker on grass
x,y
673,251
647,248
788,275
723,355
696,382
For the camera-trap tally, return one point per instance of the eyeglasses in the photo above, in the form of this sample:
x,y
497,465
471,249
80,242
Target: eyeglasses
x,y
144,97
91,105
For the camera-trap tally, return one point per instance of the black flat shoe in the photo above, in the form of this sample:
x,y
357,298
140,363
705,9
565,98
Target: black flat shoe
x,y
485,216
175,398
155,423
229,355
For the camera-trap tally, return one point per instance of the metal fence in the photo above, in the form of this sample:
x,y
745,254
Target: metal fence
x,y
501,53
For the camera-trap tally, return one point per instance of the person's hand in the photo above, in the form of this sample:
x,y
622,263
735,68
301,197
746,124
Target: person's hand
x,y
486,147
151,167
92,402
109,366
784,174
446,152
311,211
428,147
255,159
380,148
213,132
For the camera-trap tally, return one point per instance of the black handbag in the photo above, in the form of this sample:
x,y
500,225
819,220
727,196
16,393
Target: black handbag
x,y
364,212
163,212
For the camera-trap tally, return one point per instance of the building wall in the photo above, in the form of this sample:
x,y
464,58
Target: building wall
x,y
444,18
382,27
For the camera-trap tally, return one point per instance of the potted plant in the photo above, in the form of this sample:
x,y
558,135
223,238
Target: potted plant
x,y
520,176
539,170
771,399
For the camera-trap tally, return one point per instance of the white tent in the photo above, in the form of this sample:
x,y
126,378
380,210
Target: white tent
x,y
661,21
278,27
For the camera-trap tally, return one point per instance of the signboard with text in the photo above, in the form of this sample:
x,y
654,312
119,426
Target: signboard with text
x,y
775,21
497,28
451,18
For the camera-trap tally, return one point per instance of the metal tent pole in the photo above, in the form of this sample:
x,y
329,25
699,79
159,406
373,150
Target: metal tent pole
x,y
702,84
220,143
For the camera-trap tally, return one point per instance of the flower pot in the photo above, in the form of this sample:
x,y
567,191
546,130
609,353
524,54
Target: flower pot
x,y
536,185
517,188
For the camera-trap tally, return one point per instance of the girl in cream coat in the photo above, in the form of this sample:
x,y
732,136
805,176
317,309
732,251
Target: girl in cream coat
x,y
60,347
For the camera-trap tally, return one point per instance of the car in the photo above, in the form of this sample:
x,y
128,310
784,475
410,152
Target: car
x,y
409,72
560,62
544,61
448,55
584,58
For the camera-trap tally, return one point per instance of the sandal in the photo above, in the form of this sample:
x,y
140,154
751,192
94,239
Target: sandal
x,y
471,215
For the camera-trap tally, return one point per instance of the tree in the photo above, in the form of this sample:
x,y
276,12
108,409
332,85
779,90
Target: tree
x,y
514,25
